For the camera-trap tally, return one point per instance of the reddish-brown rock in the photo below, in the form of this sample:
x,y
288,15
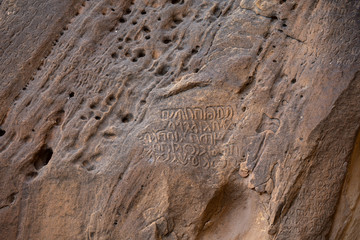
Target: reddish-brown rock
x,y
179,119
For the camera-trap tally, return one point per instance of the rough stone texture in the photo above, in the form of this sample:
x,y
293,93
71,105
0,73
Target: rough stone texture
x,y
179,119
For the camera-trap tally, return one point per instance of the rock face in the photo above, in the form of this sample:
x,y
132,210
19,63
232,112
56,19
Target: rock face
x,y
179,119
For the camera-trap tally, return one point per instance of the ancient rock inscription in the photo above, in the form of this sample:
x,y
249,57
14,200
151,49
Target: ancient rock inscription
x,y
191,135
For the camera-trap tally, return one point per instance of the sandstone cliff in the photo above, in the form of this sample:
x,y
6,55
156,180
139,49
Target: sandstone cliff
x,y
179,119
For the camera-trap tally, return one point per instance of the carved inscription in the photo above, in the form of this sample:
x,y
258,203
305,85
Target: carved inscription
x,y
191,135
316,203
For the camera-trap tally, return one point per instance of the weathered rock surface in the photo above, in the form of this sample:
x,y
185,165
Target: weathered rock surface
x,y
179,119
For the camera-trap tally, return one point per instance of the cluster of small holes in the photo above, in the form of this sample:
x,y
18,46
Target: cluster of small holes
x,y
55,42
195,50
133,32
135,55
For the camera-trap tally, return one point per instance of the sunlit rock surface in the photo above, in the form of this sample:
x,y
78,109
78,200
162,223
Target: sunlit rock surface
x,y
179,119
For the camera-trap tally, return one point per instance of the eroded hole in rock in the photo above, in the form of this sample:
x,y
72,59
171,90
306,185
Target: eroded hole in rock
x,y
2,132
88,166
127,11
11,198
59,116
293,7
217,11
93,105
42,157
177,19
97,117
110,99
195,50
114,55
127,54
293,81
140,53
162,70
127,118
166,40
122,20
28,103
30,176
146,29
26,138
71,94
109,135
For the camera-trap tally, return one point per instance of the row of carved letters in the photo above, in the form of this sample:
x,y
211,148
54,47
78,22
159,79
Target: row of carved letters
x,y
198,113
312,225
165,137
194,149
199,126
196,161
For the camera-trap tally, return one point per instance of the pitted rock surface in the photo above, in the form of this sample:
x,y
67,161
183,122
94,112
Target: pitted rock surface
x,y
179,119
